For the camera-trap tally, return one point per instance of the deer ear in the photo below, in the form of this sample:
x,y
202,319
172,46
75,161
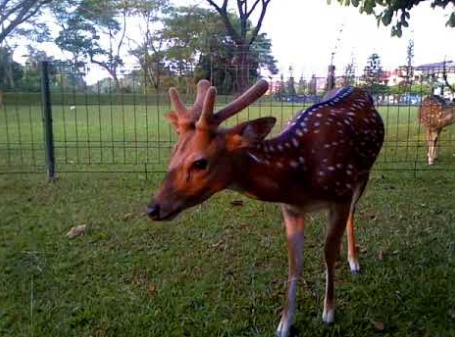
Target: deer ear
x,y
249,133
173,119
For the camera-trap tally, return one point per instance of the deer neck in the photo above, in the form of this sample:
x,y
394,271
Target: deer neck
x,y
448,115
261,175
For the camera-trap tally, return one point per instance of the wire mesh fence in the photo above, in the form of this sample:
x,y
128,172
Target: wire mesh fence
x,y
119,126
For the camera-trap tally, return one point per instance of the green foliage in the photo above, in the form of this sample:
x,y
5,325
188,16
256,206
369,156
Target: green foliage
x,y
27,78
177,45
244,33
281,90
312,85
290,84
397,12
14,14
409,69
10,71
197,39
94,31
372,74
349,74
302,86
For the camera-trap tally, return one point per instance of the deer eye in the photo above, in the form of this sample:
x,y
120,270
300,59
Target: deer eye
x,y
200,164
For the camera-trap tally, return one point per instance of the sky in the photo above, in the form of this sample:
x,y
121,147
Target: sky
x,y
304,34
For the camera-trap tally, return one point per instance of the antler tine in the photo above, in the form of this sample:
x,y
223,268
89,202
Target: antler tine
x,y
207,110
247,98
177,102
202,87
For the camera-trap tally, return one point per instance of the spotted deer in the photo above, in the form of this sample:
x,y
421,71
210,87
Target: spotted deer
x,y
321,160
435,114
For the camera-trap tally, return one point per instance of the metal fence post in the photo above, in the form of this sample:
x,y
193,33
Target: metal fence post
x,y
47,120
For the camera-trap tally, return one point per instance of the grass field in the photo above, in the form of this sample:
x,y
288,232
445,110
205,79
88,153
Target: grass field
x,y
137,138
219,269
210,273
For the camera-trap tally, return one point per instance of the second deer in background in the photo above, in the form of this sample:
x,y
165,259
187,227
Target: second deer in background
x,y
435,114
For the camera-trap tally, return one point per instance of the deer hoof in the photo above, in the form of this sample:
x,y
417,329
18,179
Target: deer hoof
x,y
354,266
328,316
284,329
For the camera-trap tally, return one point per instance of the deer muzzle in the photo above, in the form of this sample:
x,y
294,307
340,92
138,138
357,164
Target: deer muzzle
x,y
153,211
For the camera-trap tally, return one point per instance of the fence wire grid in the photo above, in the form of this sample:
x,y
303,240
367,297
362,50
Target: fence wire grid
x,y
121,127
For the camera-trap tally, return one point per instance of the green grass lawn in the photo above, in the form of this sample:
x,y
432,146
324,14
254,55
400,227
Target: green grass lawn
x,y
211,274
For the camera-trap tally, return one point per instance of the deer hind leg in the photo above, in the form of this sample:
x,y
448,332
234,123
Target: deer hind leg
x,y
337,223
353,258
428,139
432,137
295,227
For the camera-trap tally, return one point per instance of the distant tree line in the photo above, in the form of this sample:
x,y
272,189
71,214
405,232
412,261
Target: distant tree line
x,y
173,45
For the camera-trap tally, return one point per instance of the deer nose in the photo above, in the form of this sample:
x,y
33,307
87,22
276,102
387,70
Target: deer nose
x,y
153,211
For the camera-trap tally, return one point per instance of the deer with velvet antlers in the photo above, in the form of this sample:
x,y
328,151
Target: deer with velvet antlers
x,y
321,160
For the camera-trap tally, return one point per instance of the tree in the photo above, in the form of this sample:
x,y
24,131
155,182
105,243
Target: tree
x,y
14,13
67,39
373,71
10,71
312,85
280,92
331,79
408,69
31,79
96,30
244,35
200,47
349,73
149,48
220,63
290,84
397,11
302,86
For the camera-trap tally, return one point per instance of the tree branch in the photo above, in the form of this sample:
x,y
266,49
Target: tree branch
x,y
243,18
119,46
225,17
252,8
3,5
256,30
25,13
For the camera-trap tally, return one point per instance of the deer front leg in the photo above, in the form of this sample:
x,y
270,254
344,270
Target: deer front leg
x,y
432,137
337,223
437,145
295,226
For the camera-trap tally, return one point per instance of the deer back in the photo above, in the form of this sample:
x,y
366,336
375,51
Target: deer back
x,y
324,149
435,113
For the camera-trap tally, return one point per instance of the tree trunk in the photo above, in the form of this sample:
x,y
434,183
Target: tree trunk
x,y
242,39
242,68
9,72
